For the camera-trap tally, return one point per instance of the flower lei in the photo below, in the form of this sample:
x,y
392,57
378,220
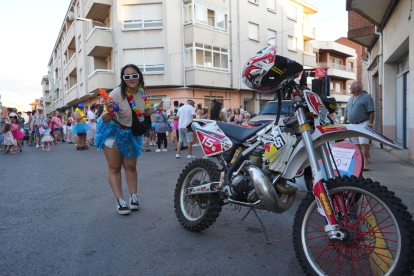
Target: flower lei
x,y
132,102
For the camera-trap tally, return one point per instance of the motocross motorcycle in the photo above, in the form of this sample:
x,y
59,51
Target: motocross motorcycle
x,y
345,226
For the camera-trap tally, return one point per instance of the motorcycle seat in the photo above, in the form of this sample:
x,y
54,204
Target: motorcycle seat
x,y
239,133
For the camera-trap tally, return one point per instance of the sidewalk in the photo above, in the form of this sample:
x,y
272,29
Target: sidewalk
x,y
394,173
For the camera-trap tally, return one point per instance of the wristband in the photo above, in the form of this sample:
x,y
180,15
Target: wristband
x,y
110,114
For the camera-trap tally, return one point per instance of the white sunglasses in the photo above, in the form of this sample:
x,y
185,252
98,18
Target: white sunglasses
x,y
133,76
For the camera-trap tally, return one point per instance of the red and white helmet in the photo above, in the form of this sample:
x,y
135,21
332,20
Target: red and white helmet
x,y
266,72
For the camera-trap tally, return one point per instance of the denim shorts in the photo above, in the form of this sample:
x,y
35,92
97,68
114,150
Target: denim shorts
x,y
37,132
147,133
61,130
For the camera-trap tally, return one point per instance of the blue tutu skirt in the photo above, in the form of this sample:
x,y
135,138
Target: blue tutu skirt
x,y
128,144
80,128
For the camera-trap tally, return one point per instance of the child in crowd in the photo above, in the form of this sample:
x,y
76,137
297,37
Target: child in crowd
x,y
8,139
17,133
46,139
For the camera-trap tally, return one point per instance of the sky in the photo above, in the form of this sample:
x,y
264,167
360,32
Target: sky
x,y
29,30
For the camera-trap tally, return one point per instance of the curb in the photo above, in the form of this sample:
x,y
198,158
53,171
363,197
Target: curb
x,y
400,154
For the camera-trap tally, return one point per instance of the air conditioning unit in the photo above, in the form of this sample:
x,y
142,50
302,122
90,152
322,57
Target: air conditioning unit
x,y
71,16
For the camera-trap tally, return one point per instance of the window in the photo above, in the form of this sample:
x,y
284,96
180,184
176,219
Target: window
x,y
80,76
350,66
188,14
271,37
206,57
210,18
292,43
291,12
142,16
148,60
254,2
253,31
338,87
331,86
271,5
332,62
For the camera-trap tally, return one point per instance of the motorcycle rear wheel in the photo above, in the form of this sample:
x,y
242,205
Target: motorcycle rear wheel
x,y
380,232
197,212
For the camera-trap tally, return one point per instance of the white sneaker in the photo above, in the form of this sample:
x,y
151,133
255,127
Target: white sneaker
x,y
164,149
191,156
177,155
195,145
37,146
157,150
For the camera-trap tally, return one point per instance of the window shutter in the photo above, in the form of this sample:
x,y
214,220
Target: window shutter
x,y
132,12
134,56
152,12
253,31
271,37
154,56
271,5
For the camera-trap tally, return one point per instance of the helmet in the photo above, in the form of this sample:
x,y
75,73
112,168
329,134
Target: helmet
x,y
267,72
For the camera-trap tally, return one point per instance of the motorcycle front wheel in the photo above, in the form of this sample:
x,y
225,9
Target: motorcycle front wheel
x,y
197,212
379,232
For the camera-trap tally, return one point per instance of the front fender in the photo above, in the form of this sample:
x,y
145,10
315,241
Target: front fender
x,y
325,134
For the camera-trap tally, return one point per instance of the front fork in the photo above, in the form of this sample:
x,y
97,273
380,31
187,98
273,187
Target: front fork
x,y
323,199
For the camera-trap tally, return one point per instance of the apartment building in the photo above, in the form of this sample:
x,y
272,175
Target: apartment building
x,y
340,61
45,100
185,48
386,29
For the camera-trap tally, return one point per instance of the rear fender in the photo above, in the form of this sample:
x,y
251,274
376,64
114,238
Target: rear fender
x,y
212,138
325,134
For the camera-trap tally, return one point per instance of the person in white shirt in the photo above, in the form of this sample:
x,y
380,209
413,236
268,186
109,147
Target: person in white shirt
x,y
185,115
225,113
242,110
92,122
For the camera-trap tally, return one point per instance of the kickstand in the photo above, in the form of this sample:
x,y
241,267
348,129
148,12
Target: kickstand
x,y
261,223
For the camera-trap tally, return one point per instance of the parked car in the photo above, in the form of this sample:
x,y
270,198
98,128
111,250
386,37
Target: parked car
x,y
269,112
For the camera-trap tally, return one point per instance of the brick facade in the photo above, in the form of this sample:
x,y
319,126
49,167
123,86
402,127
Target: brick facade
x,y
360,50
355,21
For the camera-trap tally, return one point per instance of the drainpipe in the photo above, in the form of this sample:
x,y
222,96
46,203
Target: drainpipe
x,y
231,45
182,30
379,56
368,72
238,45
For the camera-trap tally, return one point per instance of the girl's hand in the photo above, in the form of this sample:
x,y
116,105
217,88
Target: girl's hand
x,y
109,105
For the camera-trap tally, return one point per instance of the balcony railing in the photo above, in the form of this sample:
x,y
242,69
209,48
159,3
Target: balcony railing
x,y
341,91
336,66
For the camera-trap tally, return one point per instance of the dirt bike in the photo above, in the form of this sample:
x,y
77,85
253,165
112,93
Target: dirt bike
x,y
345,225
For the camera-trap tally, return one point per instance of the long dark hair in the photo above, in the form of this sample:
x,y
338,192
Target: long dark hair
x,y
100,111
123,85
215,111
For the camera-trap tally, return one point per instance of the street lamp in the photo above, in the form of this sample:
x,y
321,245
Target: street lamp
x,y
112,35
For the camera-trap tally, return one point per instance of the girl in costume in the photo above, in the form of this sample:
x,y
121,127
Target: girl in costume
x,y
17,133
46,139
80,128
114,134
9,140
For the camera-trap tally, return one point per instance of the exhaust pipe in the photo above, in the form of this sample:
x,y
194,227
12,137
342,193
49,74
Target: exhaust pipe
x,y
267,193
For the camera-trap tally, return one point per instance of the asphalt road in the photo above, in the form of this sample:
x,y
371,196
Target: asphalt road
x,y
58,217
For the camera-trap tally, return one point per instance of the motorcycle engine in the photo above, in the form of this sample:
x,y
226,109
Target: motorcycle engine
x,y
241,186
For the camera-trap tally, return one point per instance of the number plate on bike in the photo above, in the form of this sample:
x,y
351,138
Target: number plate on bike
x,y
273,144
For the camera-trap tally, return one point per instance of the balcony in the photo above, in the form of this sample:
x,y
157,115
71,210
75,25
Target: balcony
x,y
204,78
71,95
97,9
308,32
339,71
45,87
363,36
69,36
99,42
70,65
47,99
206,36
309,59
100,78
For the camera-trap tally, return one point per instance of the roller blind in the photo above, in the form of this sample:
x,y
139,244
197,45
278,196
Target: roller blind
x,y
154,56
134,56
271,37
291,11
132,12
152,12
253,31
271,5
